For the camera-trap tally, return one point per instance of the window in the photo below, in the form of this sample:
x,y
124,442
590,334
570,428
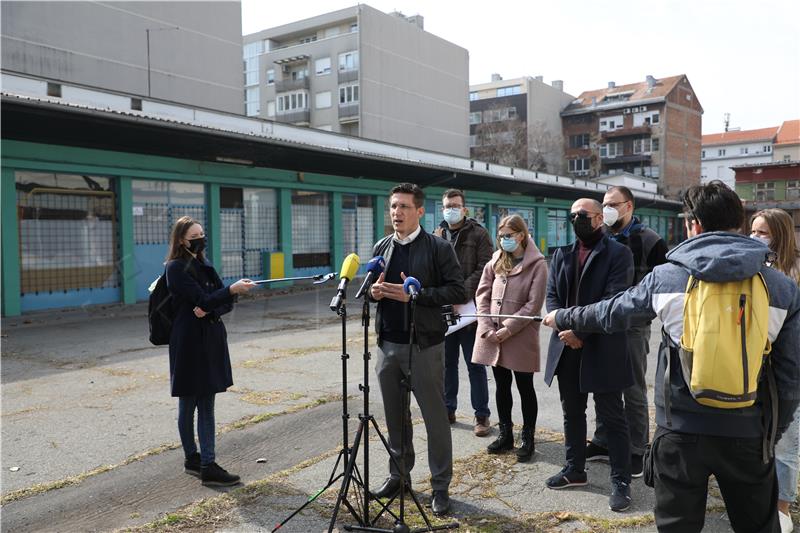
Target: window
x,y
579,141
299,74
348,61
497,115
579,167
473,140
655,119
765,191
743,150
353,27
270,109
642,146
251,97
793,190
475,117
270,76
473,96
292,101
322,66
308,39
702,154
311,209
721,152
508,91
610,149
767,149
656,144
348,94
322,100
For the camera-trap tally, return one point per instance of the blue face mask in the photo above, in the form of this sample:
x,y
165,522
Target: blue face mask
x,y
452,215
509,244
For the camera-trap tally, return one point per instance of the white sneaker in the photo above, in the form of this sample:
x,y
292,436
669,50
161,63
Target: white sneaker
x,y
786,522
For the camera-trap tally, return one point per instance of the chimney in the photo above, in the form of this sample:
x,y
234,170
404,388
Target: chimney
x,y
651,81
418,20
539,78
497,77
594,101
558,84
611,85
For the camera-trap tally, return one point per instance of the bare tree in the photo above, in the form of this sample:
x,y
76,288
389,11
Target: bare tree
x,y
545,152
502,137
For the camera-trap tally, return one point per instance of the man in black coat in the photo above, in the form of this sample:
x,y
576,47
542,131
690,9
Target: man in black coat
x,y
411,251
593,268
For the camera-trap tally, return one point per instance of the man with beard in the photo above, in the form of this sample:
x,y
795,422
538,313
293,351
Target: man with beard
x,y
595,267
649,251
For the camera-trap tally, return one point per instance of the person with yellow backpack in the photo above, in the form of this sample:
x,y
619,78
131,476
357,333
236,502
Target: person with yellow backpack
x,y
728,375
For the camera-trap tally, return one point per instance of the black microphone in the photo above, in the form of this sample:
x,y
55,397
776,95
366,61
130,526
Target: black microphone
x,y
374,269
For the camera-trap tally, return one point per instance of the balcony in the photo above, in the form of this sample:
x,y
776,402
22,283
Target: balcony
x,y
627,158
348,112
345,76
644,129
299,117
282,86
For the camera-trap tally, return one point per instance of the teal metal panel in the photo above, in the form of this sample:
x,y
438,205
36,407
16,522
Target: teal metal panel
x,y
337,232
213,225
127,263
10,244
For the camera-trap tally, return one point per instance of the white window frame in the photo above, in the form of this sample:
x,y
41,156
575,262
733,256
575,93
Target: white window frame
x,y
348,61
294,101
642,146
322,70
475,117
721,152
473,95
793,189
349,94
270,76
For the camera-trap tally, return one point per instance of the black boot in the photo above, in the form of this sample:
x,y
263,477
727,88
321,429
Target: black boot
x,y
504,441
525,450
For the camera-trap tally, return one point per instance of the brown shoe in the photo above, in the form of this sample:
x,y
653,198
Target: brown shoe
x,y
482,427
451,416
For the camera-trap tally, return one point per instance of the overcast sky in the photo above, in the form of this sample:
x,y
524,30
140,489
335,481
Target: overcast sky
x,y
741,56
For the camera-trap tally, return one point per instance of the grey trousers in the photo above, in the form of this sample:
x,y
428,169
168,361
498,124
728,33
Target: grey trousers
x,y
635,396
427,381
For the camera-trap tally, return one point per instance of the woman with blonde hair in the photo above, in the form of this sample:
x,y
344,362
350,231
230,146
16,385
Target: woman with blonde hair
x,y
513,283
775,228
199,363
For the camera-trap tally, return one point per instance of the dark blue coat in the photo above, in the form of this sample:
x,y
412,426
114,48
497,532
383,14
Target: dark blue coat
x,y
605,365
199,362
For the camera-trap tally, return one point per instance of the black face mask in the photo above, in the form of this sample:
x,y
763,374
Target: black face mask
x,y
197,245
584,230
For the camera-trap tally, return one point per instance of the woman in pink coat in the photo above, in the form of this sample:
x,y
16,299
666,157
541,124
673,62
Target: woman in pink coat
x,y
513,283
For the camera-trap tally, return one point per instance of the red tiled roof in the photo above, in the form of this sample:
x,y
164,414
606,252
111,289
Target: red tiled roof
x,y
639,91
741,136
789,132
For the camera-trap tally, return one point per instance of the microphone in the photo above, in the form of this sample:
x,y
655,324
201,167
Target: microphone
x,y
347,273
374,269
411,286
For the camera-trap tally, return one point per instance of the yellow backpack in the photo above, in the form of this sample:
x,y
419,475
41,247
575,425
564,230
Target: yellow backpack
x,y
724,345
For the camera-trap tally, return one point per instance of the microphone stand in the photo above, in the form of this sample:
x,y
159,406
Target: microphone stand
x,y
350,472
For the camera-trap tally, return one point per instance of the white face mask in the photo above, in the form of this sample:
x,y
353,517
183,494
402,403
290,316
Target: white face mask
x,y
452,215
610,216
765,240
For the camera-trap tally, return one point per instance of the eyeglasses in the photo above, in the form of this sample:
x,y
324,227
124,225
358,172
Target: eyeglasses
x,y
506,235
581,214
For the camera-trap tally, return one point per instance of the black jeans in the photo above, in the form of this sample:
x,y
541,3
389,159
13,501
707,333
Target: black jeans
x,y
527,395
682,465
610,411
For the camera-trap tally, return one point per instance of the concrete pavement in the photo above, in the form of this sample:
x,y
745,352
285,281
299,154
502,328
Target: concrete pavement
x,y
86,407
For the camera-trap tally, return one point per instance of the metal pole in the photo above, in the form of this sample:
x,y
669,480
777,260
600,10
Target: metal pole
x,y
147,31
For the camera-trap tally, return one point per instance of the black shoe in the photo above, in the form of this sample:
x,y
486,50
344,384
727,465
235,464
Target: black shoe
x,y
504,441
525,450
637,466
215,475
389,489
596,453
451,417
440,502
620,499
192,465
567,478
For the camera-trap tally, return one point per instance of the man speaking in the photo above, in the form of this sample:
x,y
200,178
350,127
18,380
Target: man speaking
x,y
410,251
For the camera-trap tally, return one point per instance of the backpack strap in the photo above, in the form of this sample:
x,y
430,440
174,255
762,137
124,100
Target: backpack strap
x,y
770,423
668,353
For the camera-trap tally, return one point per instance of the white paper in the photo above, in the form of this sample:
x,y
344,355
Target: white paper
x,y
467,309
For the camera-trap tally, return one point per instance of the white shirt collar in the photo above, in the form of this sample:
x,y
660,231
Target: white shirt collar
x,y
410,238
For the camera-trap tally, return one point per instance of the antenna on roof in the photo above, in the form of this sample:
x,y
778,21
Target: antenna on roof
x,y
727,121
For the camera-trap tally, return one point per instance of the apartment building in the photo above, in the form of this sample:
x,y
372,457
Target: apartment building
x,y
183,52
773,184
517,122
650,128
787,142
722,151
362,72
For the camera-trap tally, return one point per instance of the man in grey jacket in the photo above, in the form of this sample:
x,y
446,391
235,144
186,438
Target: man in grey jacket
x,y
693,441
